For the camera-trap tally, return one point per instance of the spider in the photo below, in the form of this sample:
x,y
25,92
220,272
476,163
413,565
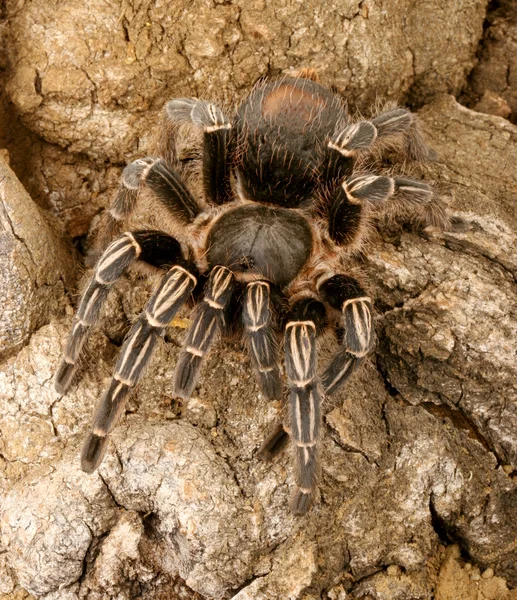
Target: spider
x,y
263,252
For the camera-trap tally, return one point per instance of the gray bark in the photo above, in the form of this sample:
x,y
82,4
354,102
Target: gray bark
x,y
419,450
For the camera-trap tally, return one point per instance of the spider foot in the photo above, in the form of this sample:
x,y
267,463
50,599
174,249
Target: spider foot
x,y
301,501
345,294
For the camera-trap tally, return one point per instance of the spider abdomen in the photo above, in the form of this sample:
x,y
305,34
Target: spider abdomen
x,y
282,129
271,243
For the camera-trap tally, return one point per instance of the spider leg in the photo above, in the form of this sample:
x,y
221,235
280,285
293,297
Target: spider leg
x,y
308,317
402,121
207,322
216,140
347,205
344,293
260,339
167,188
174,289
348,141
152,247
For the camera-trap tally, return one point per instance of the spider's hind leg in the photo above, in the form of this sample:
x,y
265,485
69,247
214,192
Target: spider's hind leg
x,y
216,129
382,130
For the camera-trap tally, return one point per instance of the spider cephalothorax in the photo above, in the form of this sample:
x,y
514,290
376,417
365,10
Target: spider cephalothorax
x,y
283,205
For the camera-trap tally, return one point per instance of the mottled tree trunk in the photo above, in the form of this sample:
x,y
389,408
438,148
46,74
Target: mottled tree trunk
x,y
419,450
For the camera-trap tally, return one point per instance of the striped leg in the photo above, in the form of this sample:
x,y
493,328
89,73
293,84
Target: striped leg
x,y
348,142
345,294
216,138
401,121
363,134
174,289
259,335
304,398
166,186
346,210
153,247
207,323
121,207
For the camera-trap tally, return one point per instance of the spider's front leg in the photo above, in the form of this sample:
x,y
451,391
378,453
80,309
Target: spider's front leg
x,y
207,323
345,294
307,320
260,338
173,291
152,247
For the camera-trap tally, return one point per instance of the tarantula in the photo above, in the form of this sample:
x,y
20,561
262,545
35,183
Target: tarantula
x,y
283,205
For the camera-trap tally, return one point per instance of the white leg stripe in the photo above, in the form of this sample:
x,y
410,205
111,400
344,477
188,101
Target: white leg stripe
x,y
341,150
300,383
129,348
91,302
301,352
194,351
298,416
340,374
135,244
305,444
126,382
214,304
312,415
162,302
154,322
294,323
113,254
140,357
211,128
352,300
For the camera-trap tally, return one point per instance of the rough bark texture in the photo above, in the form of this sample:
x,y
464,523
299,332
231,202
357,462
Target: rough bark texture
x,y
419,450
94,82
35,265
493,82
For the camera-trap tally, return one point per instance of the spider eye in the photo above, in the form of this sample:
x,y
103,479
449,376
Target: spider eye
x,y
246,262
